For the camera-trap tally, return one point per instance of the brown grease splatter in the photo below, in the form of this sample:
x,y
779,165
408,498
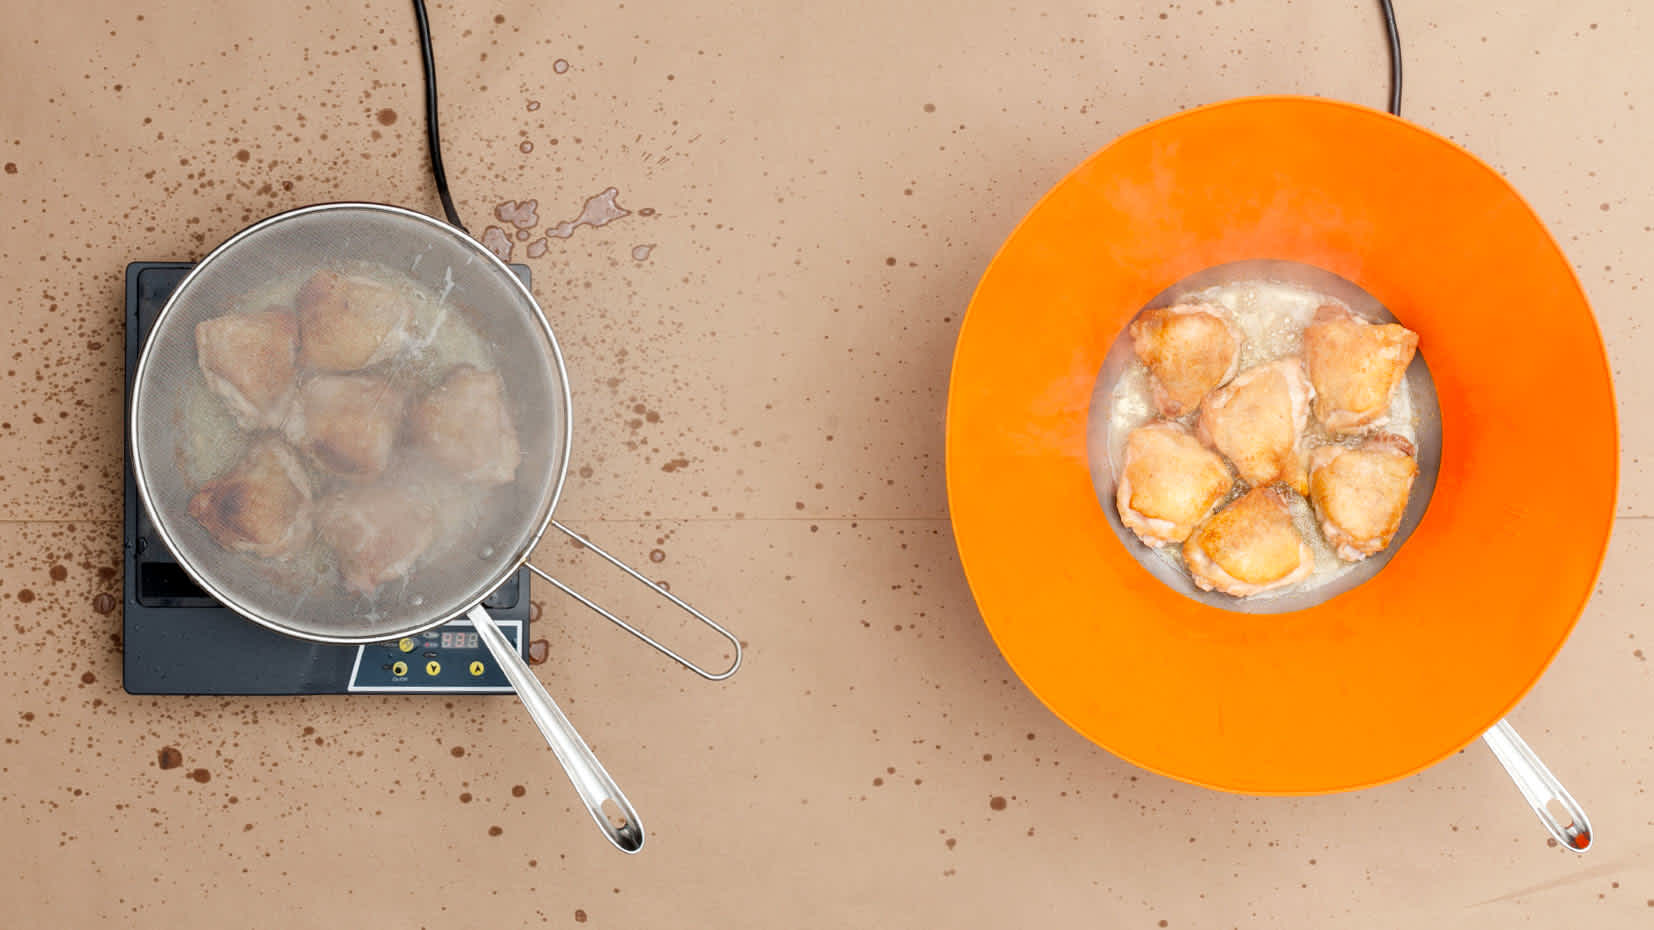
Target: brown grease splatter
x,y
170,758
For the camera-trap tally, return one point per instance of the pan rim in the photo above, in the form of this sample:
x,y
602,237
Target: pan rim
x,y
507,567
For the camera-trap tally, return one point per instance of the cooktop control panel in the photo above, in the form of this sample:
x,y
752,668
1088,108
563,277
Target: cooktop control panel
x,y
451,658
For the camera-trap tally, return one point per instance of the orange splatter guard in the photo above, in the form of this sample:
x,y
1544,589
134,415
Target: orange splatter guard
x,y
1387,678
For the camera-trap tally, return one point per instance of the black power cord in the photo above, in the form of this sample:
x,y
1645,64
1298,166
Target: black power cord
x,y
430,118
1395,57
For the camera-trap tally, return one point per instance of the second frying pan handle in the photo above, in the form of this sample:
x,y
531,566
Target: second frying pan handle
x,y
593,783
639,577
1570,826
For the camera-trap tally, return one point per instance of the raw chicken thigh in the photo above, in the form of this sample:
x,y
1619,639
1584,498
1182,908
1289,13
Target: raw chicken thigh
x,y
464,426
1355,367
1189,350
1249,547
377,533
1360,494
247,359
261,505
1169,484
1258,421
346,323
347,423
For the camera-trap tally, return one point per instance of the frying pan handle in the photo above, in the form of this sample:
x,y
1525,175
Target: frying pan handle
x,y
734,643
595,786
1557,809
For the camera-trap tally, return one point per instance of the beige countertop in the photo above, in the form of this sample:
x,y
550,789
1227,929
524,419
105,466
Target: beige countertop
x,y
759,398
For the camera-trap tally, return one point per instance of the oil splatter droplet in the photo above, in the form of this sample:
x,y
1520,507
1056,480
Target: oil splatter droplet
x,y
87,678
997,803
496,241
674,465
243,155
579,916
525,147
387,116
25,596
599,210
521,214
457,751
465,797
533,105
560,65
11,167
657,555
169,757
641,252
59,573
495,831
201,775
930,108
539,650
104,603
537,248
518,791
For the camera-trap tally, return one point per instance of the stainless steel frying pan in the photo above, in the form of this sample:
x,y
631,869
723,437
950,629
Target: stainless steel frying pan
x,y
175,447
1561,815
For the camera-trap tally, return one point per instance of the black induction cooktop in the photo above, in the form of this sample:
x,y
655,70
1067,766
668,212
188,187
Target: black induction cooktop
x,y
177,640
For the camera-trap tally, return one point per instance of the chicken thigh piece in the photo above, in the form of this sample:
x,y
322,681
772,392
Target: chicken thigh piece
x,y
1189,350
1360,494
377,532
1249,547
347,323
261,505
247,359
1258,421
1355,367
347,423
464,426
1169,484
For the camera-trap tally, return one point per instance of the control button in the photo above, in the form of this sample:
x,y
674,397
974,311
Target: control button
x,y
433,668
399,669
477,669
406,645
